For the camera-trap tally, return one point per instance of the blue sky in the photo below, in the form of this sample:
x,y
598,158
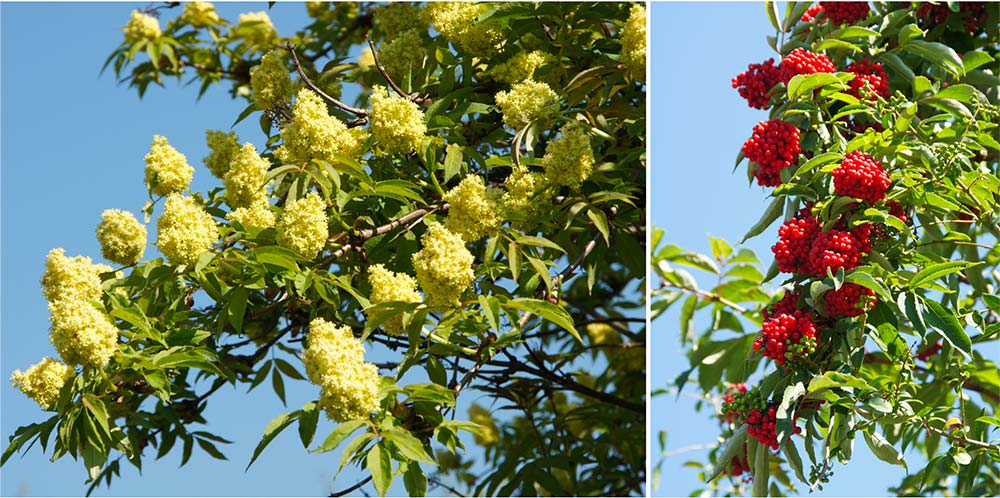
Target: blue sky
x,y
697,48
72,146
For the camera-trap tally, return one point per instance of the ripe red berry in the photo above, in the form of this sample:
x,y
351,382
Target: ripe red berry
x,y
845,12
773,146
973,14
838,249
787,305
931,350
795,238
754,83
812,12
802,61
869,80
849,300
860,175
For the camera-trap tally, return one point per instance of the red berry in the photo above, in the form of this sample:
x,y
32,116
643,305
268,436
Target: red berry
x,y
974,14
754,83
802,61
795,238
773,146
845,12
849,300
812,12
838,249
787,305
860,175
931,350
787,337
869,80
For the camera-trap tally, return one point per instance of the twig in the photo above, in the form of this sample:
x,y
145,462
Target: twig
x,y
705,295
381,70
353,488
545,28
435,482
961,439
358,241
686,449
313,87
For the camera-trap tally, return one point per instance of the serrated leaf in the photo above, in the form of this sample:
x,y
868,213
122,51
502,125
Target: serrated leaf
x,y
949,327
237,307
732,448
414,480
936,271
772,213
601,222
380,466
273,428
884,450
551,312
408,445
338,435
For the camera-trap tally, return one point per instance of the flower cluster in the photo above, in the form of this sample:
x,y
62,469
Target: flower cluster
x,y
526,102
335,361
167,170
443,266
860,175
773,147
522,66
845,12
122,237
396,18
870,80
43,381
314,134
755,83
802,61
403,55
634,42
850,300
475,208
257,28
303,226
244,182
568,159
222,147
200,14
397,123
459,23
389,286
74,277
270,81
258,214
184,231
787,337
141,27
525,188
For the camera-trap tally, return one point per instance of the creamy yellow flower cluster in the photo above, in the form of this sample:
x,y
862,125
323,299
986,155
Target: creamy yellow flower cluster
x,y
475,210
334,360
397,123
396,18
185,230
459,23
270,82
526,102
167,170
200,14
389,286
522,66
314,134
634,43
258,28
82,333
402,55
443,266
303,226
43,381
122,237
141,27
222,147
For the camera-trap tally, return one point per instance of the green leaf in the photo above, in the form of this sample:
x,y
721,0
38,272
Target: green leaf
x,y
946,323
794,460
772,213
601,222
772,14
884,450
896,66
408,445
784,414
278,383
761,471
879,404
415,480
210,448
803,84
237,307
274,427
452,161
962,93
936,53
734,446
551,312
865,279
817,161
528,240
338,435
936,271
380,466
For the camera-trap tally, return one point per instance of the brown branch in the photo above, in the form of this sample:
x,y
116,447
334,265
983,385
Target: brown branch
x,y
313,87
705,295
347,491
545,28
960,439
358,241
381,70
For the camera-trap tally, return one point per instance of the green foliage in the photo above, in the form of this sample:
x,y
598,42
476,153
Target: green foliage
x,y
881,376
566,409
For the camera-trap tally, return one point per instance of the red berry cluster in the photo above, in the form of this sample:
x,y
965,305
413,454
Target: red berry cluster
x,y
773,146
754,83
795,239
845,12
729,399
787,337
869,79
787,305
860,175
849,300
802,61
737,466
761,425
812,12
838,249
974,12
